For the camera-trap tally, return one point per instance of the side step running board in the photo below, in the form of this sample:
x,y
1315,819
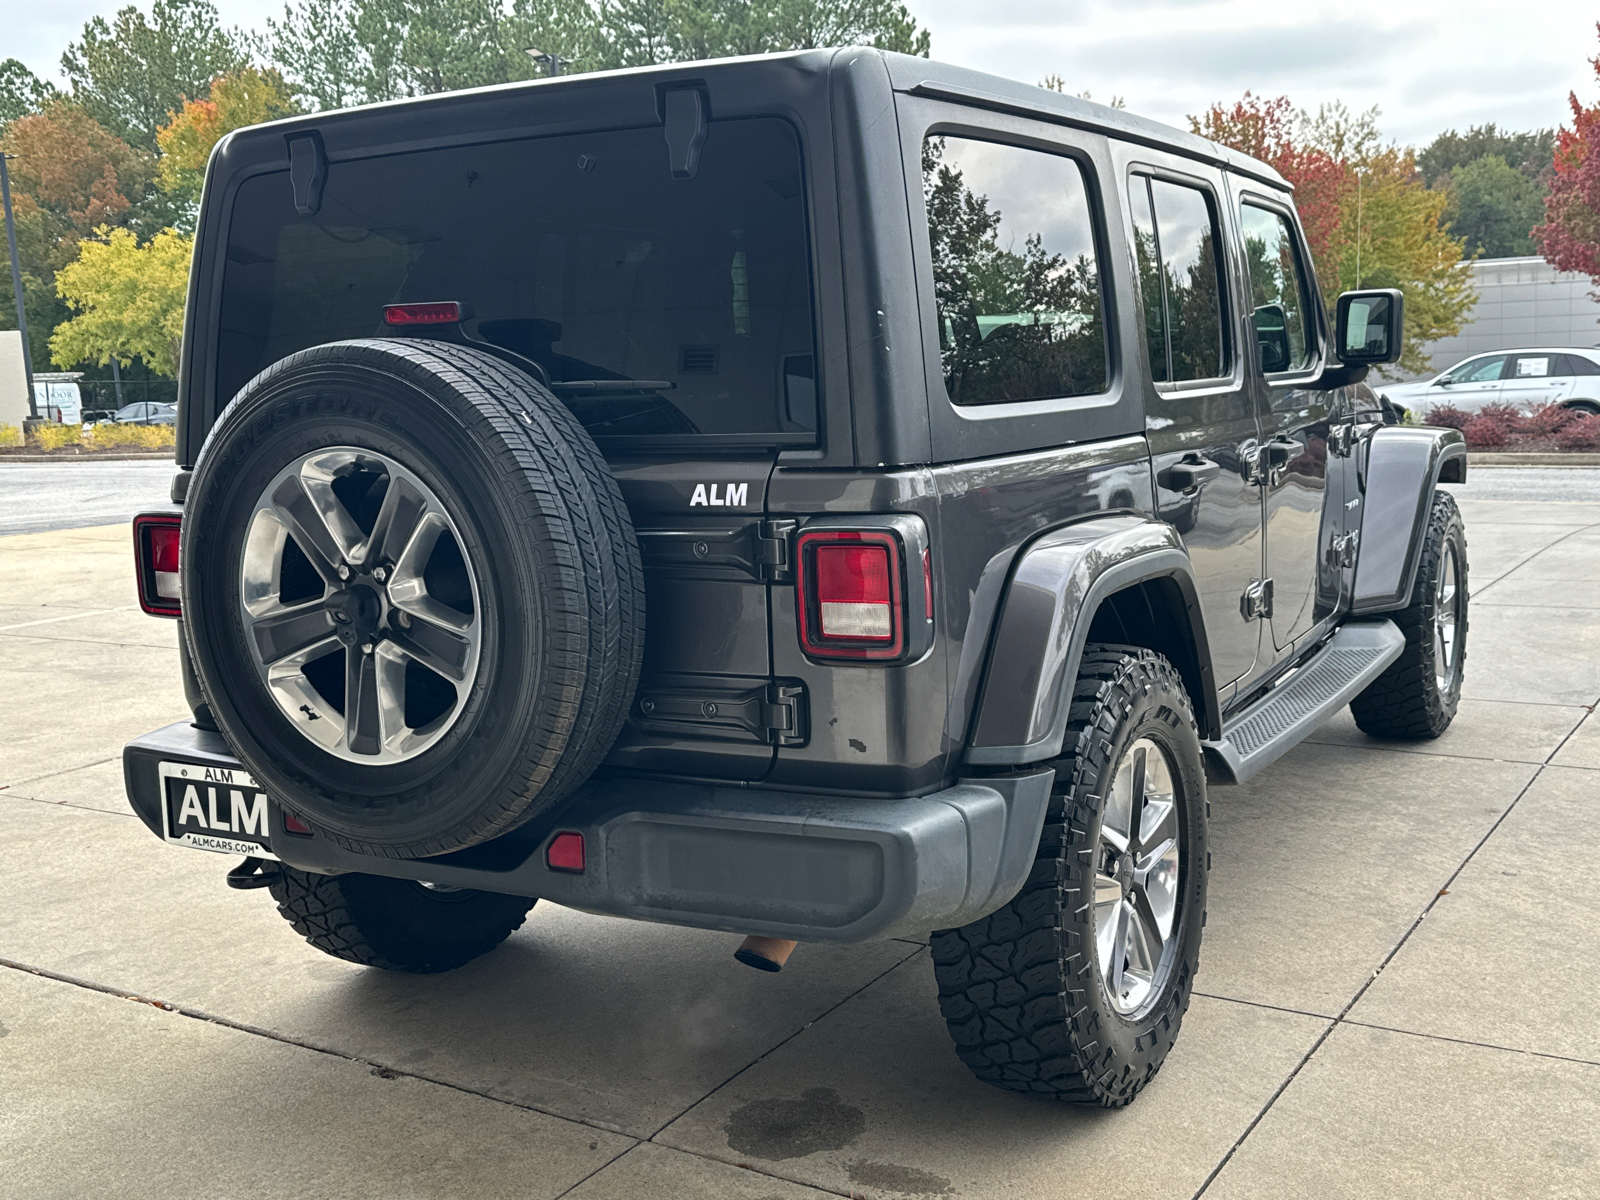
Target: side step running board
x,y
1335,675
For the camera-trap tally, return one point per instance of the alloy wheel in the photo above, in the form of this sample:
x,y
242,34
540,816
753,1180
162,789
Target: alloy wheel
x,y
361,605
1137,878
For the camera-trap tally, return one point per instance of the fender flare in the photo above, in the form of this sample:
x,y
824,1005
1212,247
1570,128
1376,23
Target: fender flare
x,y
1056,587
1404,464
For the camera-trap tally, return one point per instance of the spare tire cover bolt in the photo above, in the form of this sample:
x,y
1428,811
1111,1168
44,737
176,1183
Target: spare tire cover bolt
x,y
709,709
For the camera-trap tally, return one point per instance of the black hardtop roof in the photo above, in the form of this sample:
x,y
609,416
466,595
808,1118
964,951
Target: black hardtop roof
x,y
907,73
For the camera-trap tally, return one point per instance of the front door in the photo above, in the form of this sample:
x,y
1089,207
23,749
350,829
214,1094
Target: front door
x,y
1200,421
1292,466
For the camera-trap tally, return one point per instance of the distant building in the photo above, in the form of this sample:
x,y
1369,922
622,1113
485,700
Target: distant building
x,y
13,382
1522,302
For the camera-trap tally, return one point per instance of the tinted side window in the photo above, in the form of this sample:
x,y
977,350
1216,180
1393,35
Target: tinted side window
x,y
1279,299
1183,240
1577,364
1151,293
1016,278
580,252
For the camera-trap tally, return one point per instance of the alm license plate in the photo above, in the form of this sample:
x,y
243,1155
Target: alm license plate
x,y
213,808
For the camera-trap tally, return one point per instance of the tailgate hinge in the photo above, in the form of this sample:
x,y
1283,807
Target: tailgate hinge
x,y
774,551
784,715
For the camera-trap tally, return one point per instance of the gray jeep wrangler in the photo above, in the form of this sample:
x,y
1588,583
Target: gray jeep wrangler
x,y
828,496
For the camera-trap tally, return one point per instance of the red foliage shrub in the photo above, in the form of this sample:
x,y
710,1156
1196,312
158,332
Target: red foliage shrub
x,y
1583,433
1547,419
1506,416
1485,433
1447,415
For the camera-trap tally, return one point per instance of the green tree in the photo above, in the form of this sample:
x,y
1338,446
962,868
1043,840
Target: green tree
x,y
21,91
1529,153
127,300
1493,207
317,47
132,72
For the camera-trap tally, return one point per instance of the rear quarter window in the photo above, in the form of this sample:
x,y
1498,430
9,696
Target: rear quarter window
x,y
579,252
1016,273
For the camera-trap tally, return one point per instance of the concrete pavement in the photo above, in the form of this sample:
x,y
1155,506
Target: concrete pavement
x,y
1394,997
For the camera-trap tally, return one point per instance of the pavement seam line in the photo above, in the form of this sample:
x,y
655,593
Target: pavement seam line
x,y
1372,978
383,1070
72,804
1442,1037
1577,529
75,616
99,762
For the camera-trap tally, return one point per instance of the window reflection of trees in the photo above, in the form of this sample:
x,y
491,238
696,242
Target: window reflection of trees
x,y
1013,324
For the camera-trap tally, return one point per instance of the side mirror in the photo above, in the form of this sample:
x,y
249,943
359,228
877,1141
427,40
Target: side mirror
x,y
1369,327
1272,335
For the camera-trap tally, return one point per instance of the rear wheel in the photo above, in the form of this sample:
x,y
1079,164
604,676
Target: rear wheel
x,y
1417,696
396,924
1075,990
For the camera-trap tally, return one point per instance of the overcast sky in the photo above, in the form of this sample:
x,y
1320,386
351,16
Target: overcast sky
x,y
1428,64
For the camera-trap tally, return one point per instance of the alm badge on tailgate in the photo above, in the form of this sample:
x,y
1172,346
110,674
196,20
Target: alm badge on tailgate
x,y
213,808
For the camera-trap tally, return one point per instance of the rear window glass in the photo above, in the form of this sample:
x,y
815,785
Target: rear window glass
x,y
683,305
1016,279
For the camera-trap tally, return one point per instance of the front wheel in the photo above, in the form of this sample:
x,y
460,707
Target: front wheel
x,y
1417,696
1075,990
396,924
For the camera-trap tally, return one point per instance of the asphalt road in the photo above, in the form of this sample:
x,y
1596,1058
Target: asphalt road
x,y
36,497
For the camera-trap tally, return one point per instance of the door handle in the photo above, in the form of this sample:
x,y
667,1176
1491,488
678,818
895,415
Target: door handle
x,y
1188,474
1282,451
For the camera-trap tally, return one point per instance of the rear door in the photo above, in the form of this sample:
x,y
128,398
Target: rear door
x,y
1200,421
1531,380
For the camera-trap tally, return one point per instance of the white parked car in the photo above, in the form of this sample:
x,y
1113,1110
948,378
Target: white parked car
x,y
1522,378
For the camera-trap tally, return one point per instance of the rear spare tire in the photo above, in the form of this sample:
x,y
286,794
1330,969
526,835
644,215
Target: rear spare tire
x,y
412,593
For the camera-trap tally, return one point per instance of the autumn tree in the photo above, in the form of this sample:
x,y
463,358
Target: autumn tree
x,y
126,299
131,72
69,176
1569,238
1369,220
247,96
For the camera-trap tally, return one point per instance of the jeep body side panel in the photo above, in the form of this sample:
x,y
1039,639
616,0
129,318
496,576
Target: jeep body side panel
x,y
1059,582
1403,465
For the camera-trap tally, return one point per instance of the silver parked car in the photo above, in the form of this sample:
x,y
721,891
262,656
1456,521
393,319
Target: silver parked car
x,y
146,413
1523,379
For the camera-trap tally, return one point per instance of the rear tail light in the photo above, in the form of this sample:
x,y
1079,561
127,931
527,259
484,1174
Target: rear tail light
x,y
851,590
155,551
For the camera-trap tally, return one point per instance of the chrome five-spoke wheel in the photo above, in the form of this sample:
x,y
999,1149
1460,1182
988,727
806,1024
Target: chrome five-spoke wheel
x,y
1447,612
1136,878
361,605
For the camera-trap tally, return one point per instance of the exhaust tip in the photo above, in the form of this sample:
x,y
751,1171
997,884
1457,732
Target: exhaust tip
x,y
764,953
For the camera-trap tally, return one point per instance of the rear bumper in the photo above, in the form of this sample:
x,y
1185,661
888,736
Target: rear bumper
x,y
745,860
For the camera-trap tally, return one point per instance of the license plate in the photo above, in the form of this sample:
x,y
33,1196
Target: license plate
x,y
213,808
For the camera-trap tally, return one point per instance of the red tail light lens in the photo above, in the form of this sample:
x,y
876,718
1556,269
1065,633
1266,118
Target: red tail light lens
x,y
851,594
443,312
155,551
